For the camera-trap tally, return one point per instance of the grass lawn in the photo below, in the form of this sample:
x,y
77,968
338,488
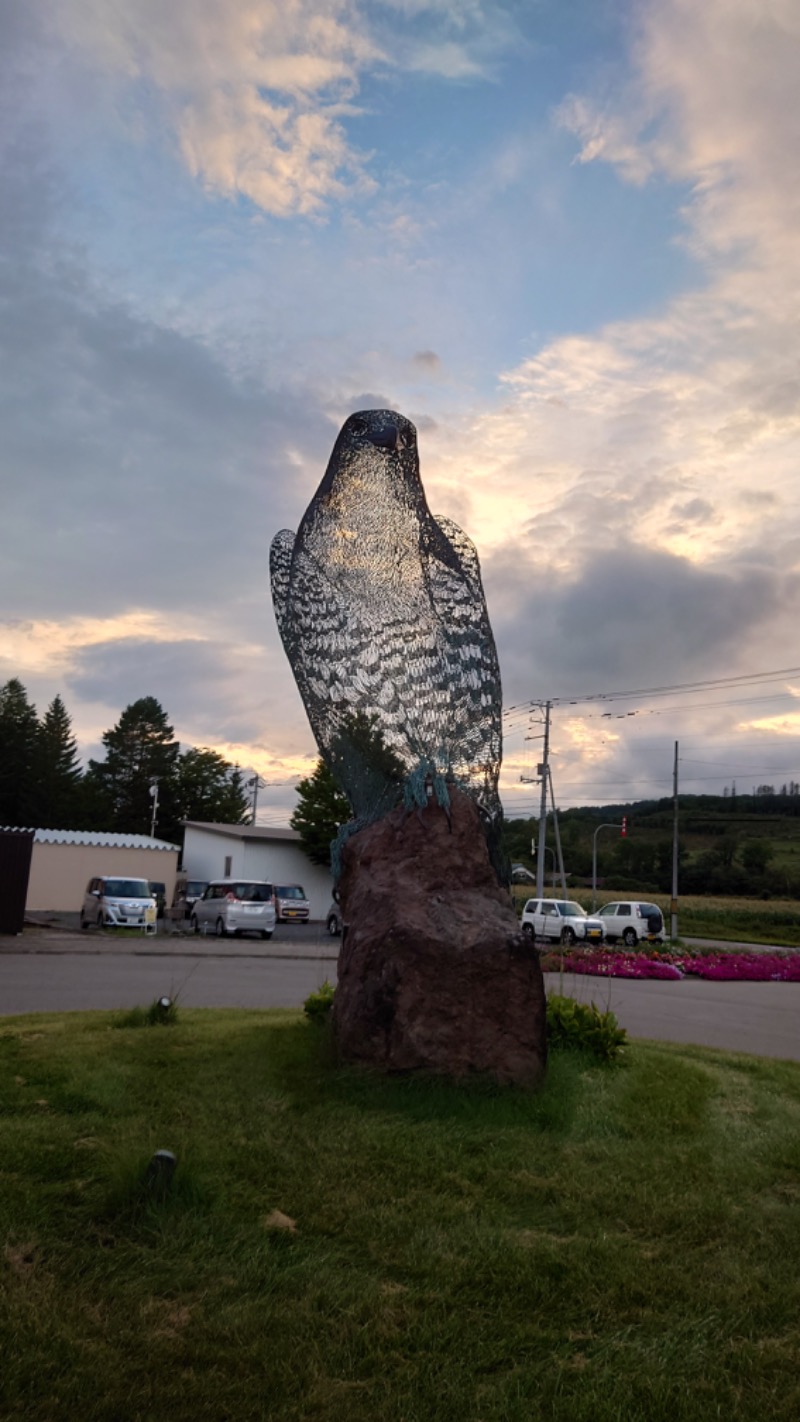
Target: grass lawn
x,y
624,1244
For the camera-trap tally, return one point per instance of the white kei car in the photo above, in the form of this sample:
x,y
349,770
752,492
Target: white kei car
x,y
560,920
117,901
631,921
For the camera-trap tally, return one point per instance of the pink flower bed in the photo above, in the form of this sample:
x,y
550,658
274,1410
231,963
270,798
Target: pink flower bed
x,y
619,965
717,967
745,967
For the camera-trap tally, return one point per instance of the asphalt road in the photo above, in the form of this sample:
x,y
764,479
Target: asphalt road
x,y
71,982
66,973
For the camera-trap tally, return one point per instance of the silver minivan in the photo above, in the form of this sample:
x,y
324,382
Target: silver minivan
x,y
114,901
235,906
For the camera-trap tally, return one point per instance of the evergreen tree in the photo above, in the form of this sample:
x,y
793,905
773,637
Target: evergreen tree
x,y
141,748
209,788
95,805
18,734
321,809
56,775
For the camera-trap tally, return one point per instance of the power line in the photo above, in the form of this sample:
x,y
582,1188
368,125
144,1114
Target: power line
x,y
741,679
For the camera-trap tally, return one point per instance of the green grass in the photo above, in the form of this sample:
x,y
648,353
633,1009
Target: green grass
x,y
623,1244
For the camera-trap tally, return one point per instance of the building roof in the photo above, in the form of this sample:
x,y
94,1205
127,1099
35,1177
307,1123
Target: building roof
x,y
96,837
244,831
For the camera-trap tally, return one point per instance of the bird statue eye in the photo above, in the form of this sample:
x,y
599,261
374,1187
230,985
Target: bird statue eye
x,y
358,426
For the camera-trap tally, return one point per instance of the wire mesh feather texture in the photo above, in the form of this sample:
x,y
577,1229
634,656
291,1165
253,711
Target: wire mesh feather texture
x,y
382,613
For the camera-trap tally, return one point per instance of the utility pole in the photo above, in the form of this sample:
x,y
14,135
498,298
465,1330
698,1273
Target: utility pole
x,y
255,785
558,835
673,908
543,771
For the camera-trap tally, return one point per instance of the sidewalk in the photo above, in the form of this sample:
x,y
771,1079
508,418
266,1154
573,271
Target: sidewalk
x,y
61,933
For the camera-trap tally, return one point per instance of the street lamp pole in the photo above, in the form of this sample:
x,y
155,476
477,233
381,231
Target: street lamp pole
x,y
154,796
673,908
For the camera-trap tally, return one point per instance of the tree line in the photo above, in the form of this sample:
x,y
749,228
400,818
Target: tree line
x,y
752,850
43,786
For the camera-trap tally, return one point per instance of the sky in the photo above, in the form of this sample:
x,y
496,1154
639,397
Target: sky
x,y
561,236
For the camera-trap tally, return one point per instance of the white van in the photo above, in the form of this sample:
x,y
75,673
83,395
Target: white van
x,y
114,901
235,906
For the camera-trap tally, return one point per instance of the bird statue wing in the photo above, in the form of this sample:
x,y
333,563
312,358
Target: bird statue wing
x,y
470,655
280,568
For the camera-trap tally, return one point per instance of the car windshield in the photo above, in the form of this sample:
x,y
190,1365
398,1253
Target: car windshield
x,y
196,887
126,889
570,910
252,893
290,891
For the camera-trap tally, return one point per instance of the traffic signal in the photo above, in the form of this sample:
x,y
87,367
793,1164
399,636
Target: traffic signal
x,y
624,829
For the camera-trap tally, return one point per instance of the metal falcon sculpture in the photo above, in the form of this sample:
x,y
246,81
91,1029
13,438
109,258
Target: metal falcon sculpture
x,y
382,614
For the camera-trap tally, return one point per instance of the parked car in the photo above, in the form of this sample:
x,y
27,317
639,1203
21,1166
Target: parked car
x,y
631,920
333,922
291,904
112,901
235,906
187,892
560,920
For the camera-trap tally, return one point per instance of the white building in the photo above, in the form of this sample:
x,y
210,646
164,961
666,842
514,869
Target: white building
x,y
255,852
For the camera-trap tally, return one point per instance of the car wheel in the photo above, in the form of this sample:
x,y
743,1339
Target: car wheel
x,y
101,923
629,937
332,925
194,926
527,929
220,929
84,924
266,934
568,936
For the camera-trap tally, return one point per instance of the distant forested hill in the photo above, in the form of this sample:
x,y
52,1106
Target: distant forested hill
x,y
728,844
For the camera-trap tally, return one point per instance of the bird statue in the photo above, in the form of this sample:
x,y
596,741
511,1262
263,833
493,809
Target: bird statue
x,y
381,610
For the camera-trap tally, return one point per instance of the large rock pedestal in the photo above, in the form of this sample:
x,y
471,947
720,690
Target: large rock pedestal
x,y
434,974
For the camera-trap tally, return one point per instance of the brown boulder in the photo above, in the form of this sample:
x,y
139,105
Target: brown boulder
x,y
434,974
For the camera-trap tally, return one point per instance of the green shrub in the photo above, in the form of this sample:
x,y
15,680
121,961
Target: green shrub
x,y
318,1005
581,1027
162,1012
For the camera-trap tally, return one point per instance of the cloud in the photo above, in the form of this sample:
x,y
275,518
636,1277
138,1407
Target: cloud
x,y
683,423
254,95
712,101
257,96
428,361
629,617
